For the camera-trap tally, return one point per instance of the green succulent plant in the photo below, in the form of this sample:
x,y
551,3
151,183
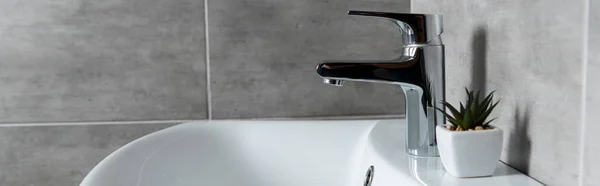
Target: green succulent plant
x,y
474,113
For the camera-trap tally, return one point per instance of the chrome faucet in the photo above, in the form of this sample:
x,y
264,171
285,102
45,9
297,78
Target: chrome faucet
x,y
419,70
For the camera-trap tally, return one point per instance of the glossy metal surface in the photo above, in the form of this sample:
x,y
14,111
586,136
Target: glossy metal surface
x,y
369,176
335,82
415,28
419,70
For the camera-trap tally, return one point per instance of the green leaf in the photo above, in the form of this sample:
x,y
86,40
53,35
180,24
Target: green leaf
x,y
468,94
489,96
483,116
452,120
486,103
445,114
476,104
488,122
472,113
455,112
456,123
472,107
467,120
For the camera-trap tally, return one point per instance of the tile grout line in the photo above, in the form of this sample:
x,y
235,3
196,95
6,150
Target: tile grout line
x,y
360,117
586,25
144,122
4,125
514,168
207,61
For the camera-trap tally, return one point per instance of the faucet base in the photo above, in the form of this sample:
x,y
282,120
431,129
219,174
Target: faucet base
x,y
424,152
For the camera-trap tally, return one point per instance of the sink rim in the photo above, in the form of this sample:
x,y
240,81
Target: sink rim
x,y
426,171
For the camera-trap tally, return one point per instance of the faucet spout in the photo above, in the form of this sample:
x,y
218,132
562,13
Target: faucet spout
x,y
391,72
421,77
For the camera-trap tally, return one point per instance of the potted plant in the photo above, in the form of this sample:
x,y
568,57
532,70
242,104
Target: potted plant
x,y
469,146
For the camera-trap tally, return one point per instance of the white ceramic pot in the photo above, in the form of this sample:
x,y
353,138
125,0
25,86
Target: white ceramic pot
x,y
469,153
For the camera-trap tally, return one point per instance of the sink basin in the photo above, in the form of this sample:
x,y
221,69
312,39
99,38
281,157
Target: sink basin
x,y
280,153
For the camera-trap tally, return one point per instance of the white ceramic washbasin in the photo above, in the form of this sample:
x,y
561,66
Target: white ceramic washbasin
x,y
280,153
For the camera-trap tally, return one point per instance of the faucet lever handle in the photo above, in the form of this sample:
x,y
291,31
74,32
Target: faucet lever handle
x,y
417,29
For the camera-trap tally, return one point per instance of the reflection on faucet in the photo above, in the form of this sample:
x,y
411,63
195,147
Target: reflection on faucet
x,y
426,170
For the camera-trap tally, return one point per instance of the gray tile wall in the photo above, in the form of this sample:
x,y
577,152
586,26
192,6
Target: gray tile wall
x,y
263,55
145,60
102,60
67,64
591,168
531,52
60,155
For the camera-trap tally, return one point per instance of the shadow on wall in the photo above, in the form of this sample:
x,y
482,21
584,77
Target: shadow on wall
x,y
519,141
479,67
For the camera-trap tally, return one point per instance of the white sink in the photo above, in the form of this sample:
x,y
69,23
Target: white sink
x,y
280,153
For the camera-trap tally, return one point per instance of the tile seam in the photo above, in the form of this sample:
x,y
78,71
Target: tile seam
x,y
207,61
586,22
